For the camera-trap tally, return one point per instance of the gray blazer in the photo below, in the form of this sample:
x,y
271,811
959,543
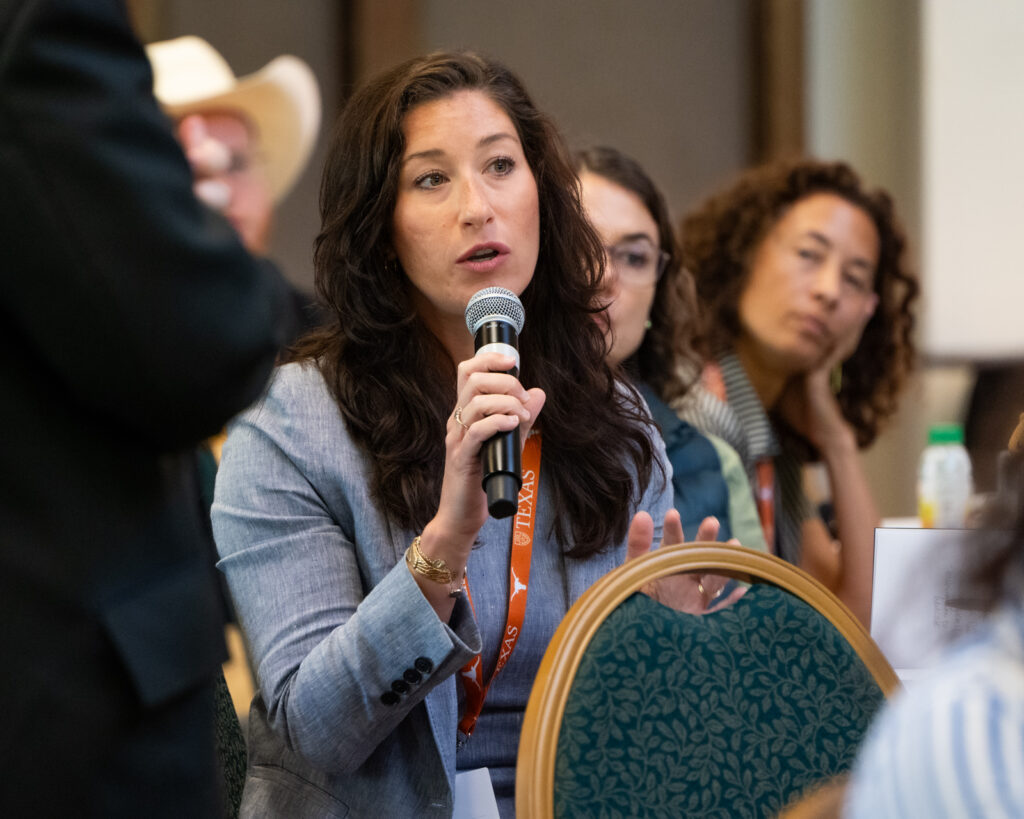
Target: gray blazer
x,y
357,706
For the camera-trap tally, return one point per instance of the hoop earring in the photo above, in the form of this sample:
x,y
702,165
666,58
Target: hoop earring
x,y
835,378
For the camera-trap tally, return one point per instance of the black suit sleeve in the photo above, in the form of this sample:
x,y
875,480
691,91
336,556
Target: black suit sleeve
x,y
136,301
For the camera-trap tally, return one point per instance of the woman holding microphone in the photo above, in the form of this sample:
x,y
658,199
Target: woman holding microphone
x,y
378,598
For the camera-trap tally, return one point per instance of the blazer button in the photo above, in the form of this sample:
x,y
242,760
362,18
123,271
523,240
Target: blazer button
x,y
423,665
389,698
400,687
412,676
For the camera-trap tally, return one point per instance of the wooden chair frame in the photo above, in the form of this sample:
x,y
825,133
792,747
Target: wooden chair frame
x,y
535,765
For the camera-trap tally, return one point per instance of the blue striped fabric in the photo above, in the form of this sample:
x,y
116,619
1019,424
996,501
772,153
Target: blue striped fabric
x,y
953,744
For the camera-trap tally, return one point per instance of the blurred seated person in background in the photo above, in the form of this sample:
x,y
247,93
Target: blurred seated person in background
x,y
651,324
259,130
953,744
349,511
803,283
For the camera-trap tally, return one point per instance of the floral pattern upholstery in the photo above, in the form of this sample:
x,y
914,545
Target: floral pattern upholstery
x,y
730,714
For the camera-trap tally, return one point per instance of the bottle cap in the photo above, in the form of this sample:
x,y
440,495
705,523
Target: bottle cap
x,y
945,434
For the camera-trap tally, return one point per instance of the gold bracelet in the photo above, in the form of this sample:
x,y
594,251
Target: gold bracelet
x,y
435,570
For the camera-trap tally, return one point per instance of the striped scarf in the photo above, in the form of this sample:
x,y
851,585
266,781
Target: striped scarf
x,y
742,422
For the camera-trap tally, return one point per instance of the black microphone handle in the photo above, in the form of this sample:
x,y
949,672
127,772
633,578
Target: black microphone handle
x,y
503,475
501,454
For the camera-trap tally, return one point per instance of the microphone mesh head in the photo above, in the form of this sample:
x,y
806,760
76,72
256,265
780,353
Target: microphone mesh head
x,y
494,304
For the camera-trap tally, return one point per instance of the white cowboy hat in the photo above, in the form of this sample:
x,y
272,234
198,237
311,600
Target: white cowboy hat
x,y
282,100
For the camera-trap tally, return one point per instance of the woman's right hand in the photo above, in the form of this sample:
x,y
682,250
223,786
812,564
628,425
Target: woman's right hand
x,y
489,400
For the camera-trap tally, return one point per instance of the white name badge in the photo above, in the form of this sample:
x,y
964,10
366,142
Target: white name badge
x,y
474,795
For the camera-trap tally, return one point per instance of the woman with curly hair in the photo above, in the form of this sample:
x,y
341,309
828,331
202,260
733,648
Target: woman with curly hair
x,y
650,319
378,598
804,288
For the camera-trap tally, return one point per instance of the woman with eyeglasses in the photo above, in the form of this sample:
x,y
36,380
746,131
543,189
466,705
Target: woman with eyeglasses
x,y
650,322
802,278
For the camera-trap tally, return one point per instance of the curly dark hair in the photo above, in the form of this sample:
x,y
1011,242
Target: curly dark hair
x,y
667,359
720,237
393,380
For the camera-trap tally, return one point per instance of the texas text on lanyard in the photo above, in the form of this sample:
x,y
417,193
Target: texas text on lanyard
x,y
518,581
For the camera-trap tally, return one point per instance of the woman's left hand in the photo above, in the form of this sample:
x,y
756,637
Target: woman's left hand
x,y
688,592
809,406
844,562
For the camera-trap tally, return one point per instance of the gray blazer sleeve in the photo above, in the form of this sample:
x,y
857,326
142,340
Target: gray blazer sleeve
x,y
332,615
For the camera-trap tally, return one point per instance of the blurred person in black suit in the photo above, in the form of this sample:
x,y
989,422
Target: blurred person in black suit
x,y
253,137
134,324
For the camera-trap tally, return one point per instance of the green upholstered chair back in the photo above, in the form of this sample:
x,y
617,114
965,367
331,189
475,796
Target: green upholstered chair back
x,y
730,714
639,710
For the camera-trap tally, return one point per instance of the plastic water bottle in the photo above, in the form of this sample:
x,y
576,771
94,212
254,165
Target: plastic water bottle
x,y
944,483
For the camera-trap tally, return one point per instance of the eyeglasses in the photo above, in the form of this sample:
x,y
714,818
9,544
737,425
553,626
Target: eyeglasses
x,y
637,261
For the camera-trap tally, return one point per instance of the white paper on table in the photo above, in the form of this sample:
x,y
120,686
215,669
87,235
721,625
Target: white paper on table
x,y
923,597
474,795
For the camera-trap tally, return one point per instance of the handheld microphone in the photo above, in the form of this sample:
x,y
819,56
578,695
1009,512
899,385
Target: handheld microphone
x,y
495,318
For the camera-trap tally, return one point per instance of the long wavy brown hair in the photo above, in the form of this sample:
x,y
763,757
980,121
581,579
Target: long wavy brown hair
x,y
394,382
719,239
667,359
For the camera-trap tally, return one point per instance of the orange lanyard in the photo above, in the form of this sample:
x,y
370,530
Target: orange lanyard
x,y
766,500
518,580
764,469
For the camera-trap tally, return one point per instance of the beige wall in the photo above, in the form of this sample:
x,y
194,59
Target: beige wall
x,y
668,82
972,94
